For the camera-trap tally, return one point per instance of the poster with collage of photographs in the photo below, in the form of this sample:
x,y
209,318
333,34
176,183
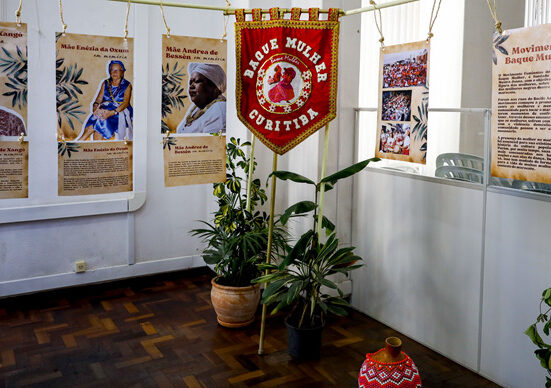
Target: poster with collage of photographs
x,y
14,149
403,102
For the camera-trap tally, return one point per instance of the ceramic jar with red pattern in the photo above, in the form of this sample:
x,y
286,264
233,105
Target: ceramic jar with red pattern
x,y
389,368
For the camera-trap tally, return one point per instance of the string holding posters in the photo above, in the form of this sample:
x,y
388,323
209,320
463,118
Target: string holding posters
x,y
14,153
94,76
193,109
521,104
286,75
402,116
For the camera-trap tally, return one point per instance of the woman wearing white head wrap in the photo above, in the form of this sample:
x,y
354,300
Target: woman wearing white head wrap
x,y
207,114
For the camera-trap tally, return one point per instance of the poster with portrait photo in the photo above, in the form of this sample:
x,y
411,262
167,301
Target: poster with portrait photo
x,y
402,116
94,106
193,108
14,173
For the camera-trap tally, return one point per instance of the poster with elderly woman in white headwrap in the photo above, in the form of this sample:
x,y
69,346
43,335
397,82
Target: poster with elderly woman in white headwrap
x,y
193,108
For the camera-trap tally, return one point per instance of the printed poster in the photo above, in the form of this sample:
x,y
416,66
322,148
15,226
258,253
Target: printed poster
x,y
521,104
14,167
13,111
193,109
94,104
286,75
402,116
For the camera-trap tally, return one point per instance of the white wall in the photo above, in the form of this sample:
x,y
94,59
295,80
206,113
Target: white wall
x,y
41,255
516,271
421,242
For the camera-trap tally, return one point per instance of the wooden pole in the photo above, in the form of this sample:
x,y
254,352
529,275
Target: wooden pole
x,y
322,188
250,177
231,11
268,253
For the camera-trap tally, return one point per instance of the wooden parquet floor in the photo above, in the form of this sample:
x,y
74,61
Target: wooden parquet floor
x,y
161,331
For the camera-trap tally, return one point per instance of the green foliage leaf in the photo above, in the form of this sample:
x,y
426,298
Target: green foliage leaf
x,y
297,209
287,175
532,332
546,296
337,310
274,287
349,171
546,327
544,355
326,224
298,250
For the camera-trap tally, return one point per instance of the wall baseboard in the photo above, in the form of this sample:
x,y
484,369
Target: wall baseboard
x,y
99,275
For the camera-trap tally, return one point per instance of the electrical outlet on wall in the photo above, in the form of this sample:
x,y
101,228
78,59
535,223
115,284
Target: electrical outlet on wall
x,y
80,266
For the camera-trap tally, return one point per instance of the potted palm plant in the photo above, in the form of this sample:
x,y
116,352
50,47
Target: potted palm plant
x,y
298,281
236,240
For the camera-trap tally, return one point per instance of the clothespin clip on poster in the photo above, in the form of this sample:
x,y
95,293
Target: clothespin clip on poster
x,y
125,140
18,13
21,138
165,139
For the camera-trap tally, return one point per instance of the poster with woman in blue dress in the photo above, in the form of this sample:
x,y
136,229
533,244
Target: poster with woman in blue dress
x,y
94,94
111,112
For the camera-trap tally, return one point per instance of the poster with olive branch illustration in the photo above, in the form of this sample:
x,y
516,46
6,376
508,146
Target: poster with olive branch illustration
x,y
521,104
94,106
193,109
402,117
13,111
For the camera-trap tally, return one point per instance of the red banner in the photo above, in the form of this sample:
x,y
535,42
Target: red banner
x,y
286,75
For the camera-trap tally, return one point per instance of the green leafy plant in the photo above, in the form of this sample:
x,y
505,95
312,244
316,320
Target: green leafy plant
x,y
15,68
297,281
420,128
237,239
172,92
543,353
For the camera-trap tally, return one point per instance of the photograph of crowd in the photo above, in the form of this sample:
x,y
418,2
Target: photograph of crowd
x,y
395,138
405,69
396,105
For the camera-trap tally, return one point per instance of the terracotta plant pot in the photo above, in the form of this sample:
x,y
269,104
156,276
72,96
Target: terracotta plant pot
x,y
389,368
234,306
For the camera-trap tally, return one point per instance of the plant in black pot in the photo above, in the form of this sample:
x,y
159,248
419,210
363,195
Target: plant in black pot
x,y
236,240
298,281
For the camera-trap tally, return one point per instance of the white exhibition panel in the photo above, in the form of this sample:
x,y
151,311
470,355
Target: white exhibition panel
x,y
421,243
517,270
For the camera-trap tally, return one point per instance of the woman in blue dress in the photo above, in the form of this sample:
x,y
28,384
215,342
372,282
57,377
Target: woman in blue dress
x,y
112,114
